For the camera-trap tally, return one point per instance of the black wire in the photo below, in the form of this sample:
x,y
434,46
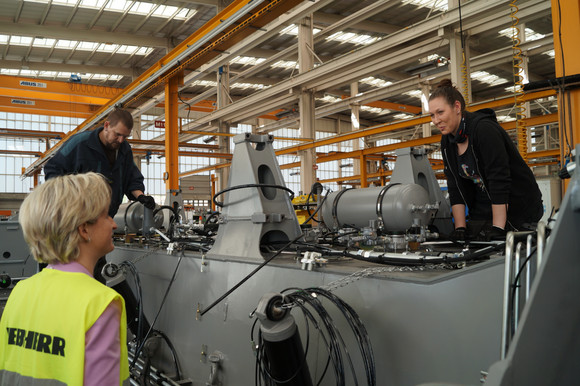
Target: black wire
x,y
188,105
221,204
173,353
137,281
251,274
138,351
311,217
563,85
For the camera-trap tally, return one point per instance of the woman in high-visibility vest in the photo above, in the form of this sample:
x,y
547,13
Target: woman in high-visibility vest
x,y
61,326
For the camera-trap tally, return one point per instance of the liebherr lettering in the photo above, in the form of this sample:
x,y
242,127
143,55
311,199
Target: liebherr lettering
x,y
36,341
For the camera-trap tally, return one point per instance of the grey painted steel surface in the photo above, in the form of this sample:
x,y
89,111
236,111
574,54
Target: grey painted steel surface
x,y
130,214
254,216
15,258
425,326
546,346
359,206
413,167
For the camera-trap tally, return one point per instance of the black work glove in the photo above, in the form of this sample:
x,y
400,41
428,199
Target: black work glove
x,y
459,234
147,201
495,233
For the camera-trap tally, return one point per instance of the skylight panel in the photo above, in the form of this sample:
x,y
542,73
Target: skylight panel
x,y
439,5
142,8
87,46
118,5
374,110
351,37
376,82
4,39
247,60
287,64
66,44
43,42
204,83
550,53
292,29
165,11
20,40
414,93
486,77
131,7
402,116
531,35
328,99
92,3
244,86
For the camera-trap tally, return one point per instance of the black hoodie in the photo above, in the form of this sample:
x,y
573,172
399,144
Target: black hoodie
x,y
507,178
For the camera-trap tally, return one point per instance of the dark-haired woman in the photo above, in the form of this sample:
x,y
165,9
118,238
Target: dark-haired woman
x,y
484,169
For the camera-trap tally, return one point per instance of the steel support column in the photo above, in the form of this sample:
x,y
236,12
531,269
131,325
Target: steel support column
x,y
172,134
566,27
306,105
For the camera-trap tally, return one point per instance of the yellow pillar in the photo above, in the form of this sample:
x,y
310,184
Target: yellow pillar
x,y
363,171
566,27
172,134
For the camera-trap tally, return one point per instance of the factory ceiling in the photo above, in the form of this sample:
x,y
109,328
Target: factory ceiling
x,y
391,48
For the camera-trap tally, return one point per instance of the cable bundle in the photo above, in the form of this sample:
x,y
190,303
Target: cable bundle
x,y
309,301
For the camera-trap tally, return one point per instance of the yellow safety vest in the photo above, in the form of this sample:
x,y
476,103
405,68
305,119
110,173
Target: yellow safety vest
x,y
43,327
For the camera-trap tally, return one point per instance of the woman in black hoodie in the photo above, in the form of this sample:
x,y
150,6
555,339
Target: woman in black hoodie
x,y
484,169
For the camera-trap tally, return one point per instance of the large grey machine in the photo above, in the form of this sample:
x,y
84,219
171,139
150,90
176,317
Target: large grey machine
x,y
257,211
16,261
544,348
372,295
404,313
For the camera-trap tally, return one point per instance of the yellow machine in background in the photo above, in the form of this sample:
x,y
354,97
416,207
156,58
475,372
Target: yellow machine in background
x,y
304,206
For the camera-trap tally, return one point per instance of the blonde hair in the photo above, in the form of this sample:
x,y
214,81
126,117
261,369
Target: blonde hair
x,y
51,215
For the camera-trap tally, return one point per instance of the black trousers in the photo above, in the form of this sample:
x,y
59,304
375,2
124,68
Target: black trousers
x,y
131,304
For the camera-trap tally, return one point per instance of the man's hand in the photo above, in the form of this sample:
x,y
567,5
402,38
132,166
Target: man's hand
x,y
147,201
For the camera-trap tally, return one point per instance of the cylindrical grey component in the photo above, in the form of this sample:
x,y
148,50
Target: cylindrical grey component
x,y
131,215
147,221
277,331
356,207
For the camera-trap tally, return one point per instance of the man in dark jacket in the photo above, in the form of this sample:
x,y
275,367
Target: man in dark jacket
x,y
106,151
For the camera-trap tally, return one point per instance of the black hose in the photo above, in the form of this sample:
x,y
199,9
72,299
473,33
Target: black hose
x,y
221,204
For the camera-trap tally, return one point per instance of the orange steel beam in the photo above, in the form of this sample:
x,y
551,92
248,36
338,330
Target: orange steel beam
x,y
391,106
57,87
21,152
172,133
154,79
48,96
533,121
51,113
392,127
31,133
185,154
143,142
65,107
212,133
511,100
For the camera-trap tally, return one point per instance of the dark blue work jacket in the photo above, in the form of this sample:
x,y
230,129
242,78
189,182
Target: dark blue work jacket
x,y
83,152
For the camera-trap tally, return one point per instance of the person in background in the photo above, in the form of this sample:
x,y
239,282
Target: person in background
x,y
484,170
62,325
106,151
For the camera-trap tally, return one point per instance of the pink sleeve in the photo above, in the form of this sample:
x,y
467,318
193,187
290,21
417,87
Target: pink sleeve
x,y
103,348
